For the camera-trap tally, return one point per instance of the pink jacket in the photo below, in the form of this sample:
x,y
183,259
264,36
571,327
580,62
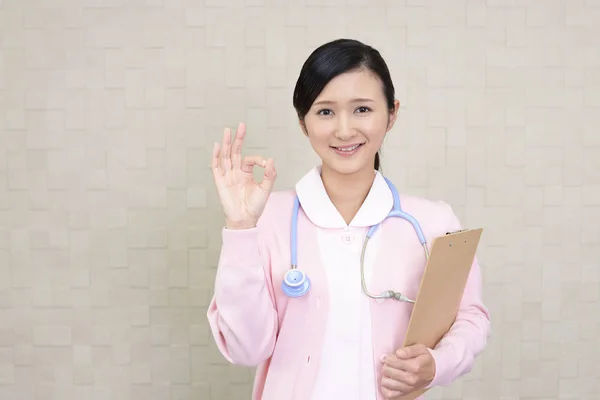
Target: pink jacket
x,y
255,324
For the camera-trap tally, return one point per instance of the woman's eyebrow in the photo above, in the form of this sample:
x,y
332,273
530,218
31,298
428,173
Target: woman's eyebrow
x,y
357,100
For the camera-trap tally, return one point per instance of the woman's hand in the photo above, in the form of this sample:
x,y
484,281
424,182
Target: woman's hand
x,y
243,199
409,369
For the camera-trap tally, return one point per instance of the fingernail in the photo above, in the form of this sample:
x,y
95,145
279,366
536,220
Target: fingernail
x,y
383,358
264,162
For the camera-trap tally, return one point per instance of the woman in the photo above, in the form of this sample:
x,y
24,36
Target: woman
x,y
333,341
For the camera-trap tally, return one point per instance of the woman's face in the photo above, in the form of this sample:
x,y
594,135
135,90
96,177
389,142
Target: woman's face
x,y
348,121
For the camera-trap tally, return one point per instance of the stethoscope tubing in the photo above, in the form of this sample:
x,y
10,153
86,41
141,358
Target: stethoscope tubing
x,y
297,284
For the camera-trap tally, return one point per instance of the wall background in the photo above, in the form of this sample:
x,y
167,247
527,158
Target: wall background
x,y
110,227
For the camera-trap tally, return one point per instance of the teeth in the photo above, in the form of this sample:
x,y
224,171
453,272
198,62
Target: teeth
x,y
348,148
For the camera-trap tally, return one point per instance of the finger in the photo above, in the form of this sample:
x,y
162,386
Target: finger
x,y
226,150
251,161
390,394
403,377
236,148
395,388
215,165
410,365
413,351
269,176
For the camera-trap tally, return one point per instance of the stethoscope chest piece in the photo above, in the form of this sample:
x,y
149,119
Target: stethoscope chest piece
x,y
295,283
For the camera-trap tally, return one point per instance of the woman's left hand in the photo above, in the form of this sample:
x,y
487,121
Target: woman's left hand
x,y
409,369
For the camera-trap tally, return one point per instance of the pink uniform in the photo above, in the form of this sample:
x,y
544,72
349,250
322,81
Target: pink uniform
x,y
329,343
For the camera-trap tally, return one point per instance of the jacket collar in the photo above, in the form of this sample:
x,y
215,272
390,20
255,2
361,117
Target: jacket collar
x,y
320,210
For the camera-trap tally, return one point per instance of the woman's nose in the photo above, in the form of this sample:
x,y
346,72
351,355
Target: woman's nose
x,y
344,129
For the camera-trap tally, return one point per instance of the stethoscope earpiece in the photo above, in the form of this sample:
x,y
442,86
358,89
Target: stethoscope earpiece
x,y
295,283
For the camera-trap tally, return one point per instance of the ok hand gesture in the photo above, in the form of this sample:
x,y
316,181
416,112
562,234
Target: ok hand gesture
x,y
243,199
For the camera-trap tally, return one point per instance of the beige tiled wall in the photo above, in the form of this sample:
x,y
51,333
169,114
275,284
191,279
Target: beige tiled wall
x,y
110,227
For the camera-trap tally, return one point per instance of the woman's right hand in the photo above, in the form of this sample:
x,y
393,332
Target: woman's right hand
x,y
243,199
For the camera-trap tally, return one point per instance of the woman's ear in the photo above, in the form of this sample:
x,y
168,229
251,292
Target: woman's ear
x,y
303,127
393,115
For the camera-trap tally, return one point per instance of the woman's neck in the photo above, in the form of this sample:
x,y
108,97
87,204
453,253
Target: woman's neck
x,y
347,191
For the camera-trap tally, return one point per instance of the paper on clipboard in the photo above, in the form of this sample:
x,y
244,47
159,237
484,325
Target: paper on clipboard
x,y
441,290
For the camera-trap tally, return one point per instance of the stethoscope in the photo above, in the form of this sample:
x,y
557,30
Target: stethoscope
x,y
297,284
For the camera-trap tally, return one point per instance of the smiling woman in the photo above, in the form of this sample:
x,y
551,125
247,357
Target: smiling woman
x,y
325,337
358,83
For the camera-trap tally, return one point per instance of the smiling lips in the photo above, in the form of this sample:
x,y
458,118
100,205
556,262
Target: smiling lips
x,y
347,150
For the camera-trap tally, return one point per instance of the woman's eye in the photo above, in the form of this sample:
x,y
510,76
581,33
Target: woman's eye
x,y
362,109
325,112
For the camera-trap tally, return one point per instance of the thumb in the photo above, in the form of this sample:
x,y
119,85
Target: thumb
x,y
269,176
413,351
250,161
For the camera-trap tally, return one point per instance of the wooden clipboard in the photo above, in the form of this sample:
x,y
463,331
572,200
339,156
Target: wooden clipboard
x,y
441,290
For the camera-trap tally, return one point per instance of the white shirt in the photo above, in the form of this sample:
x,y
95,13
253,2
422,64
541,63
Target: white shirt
x,y
346,370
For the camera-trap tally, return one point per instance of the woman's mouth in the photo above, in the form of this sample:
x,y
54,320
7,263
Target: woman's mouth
x,y
349,150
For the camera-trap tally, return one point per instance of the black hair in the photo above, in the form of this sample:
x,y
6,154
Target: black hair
x,y
332,59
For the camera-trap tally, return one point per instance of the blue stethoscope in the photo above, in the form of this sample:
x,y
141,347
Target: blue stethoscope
x,y
297,284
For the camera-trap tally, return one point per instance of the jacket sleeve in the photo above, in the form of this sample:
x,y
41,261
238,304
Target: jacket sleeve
x,y
242,316
455,353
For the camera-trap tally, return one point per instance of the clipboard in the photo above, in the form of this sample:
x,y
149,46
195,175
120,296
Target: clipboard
x,y
441,290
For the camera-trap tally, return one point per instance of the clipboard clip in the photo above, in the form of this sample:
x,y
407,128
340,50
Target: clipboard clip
x,y
458,231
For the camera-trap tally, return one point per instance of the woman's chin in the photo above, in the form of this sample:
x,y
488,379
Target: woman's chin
x,y
349,166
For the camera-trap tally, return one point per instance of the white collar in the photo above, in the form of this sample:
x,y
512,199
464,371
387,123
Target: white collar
x,y
320,210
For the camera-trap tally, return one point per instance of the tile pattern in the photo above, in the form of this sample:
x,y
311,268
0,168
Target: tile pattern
x,y
109,224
